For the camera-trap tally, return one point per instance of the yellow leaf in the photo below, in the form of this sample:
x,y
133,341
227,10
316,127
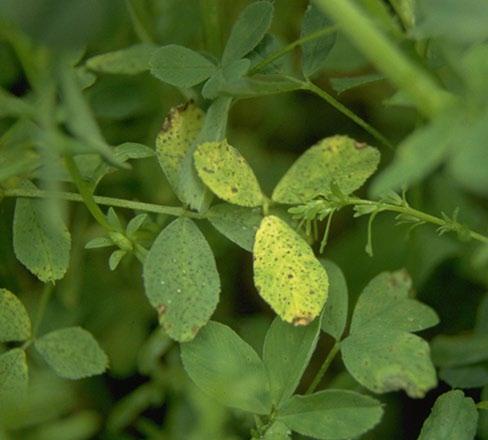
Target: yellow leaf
x,y
287,274
227,174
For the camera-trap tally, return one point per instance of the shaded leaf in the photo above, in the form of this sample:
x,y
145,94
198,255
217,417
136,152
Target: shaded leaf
x,y
181,279
337,160
341,85
287,274
260,85
73,353
222,365
227,174
13,374
15,323
459,350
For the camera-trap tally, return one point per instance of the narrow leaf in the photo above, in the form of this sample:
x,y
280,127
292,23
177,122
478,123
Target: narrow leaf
x,y
181,279
287,274
15,323
224,366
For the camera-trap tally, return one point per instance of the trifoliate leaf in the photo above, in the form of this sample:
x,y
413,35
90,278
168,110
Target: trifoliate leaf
x,y
238,224
383,360
181,279
453,417
73,353
335,311
15,323
179,131
287,274
227,174
129,61
286,353
180,66
41,244
331,414
337,160
13,373
224,366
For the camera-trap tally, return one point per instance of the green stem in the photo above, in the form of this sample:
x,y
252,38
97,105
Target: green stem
x,y
41,309
209,10
420,215
346,112
386,56
86,194
101,200
290,47
138,24
323,368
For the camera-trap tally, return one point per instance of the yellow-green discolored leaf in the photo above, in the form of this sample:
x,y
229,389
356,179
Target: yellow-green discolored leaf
x,y
179,131
227,174
287,274
337,160
15,324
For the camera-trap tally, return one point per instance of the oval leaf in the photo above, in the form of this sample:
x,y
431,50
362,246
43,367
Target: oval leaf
x,y
287,274
181,279
179,66
73,353
227,368
331,414
227,174
15,324
13,374
337,160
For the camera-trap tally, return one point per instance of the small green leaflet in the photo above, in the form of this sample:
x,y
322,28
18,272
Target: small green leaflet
x,y
181,279
379,352
331,414
453,417
238,224
337,160
179,66
73,353
248,30
334,317
315,52
179,131
42,245
260,85
129,61
286,353
15,323
224,366
13,373
227,174
287,274
277,431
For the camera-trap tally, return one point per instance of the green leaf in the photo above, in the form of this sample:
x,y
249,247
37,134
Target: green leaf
x,y
269,45
73,353
179,66
41,244
238,224
13,374
385,303
232,72
99,242
334,317
181,279
472,376
180,129
260,85
277,431
15,325
287,274
116,258
222,365
383,360
331,414
315,52
286,353
82,425
341,85
248,30
459,350
227,174
337,160
129,61
453,417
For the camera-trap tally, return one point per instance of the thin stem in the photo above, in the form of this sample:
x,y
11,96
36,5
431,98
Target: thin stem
x,y
346,112
101,200
86,194
323,368
286,49
209,10
386,56
137,24
41,308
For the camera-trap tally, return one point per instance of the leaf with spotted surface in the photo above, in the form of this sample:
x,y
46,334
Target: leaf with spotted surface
x,y
181,279
13,373
15,323
287,274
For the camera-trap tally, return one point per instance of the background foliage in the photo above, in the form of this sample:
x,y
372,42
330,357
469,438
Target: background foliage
x,y
89,87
